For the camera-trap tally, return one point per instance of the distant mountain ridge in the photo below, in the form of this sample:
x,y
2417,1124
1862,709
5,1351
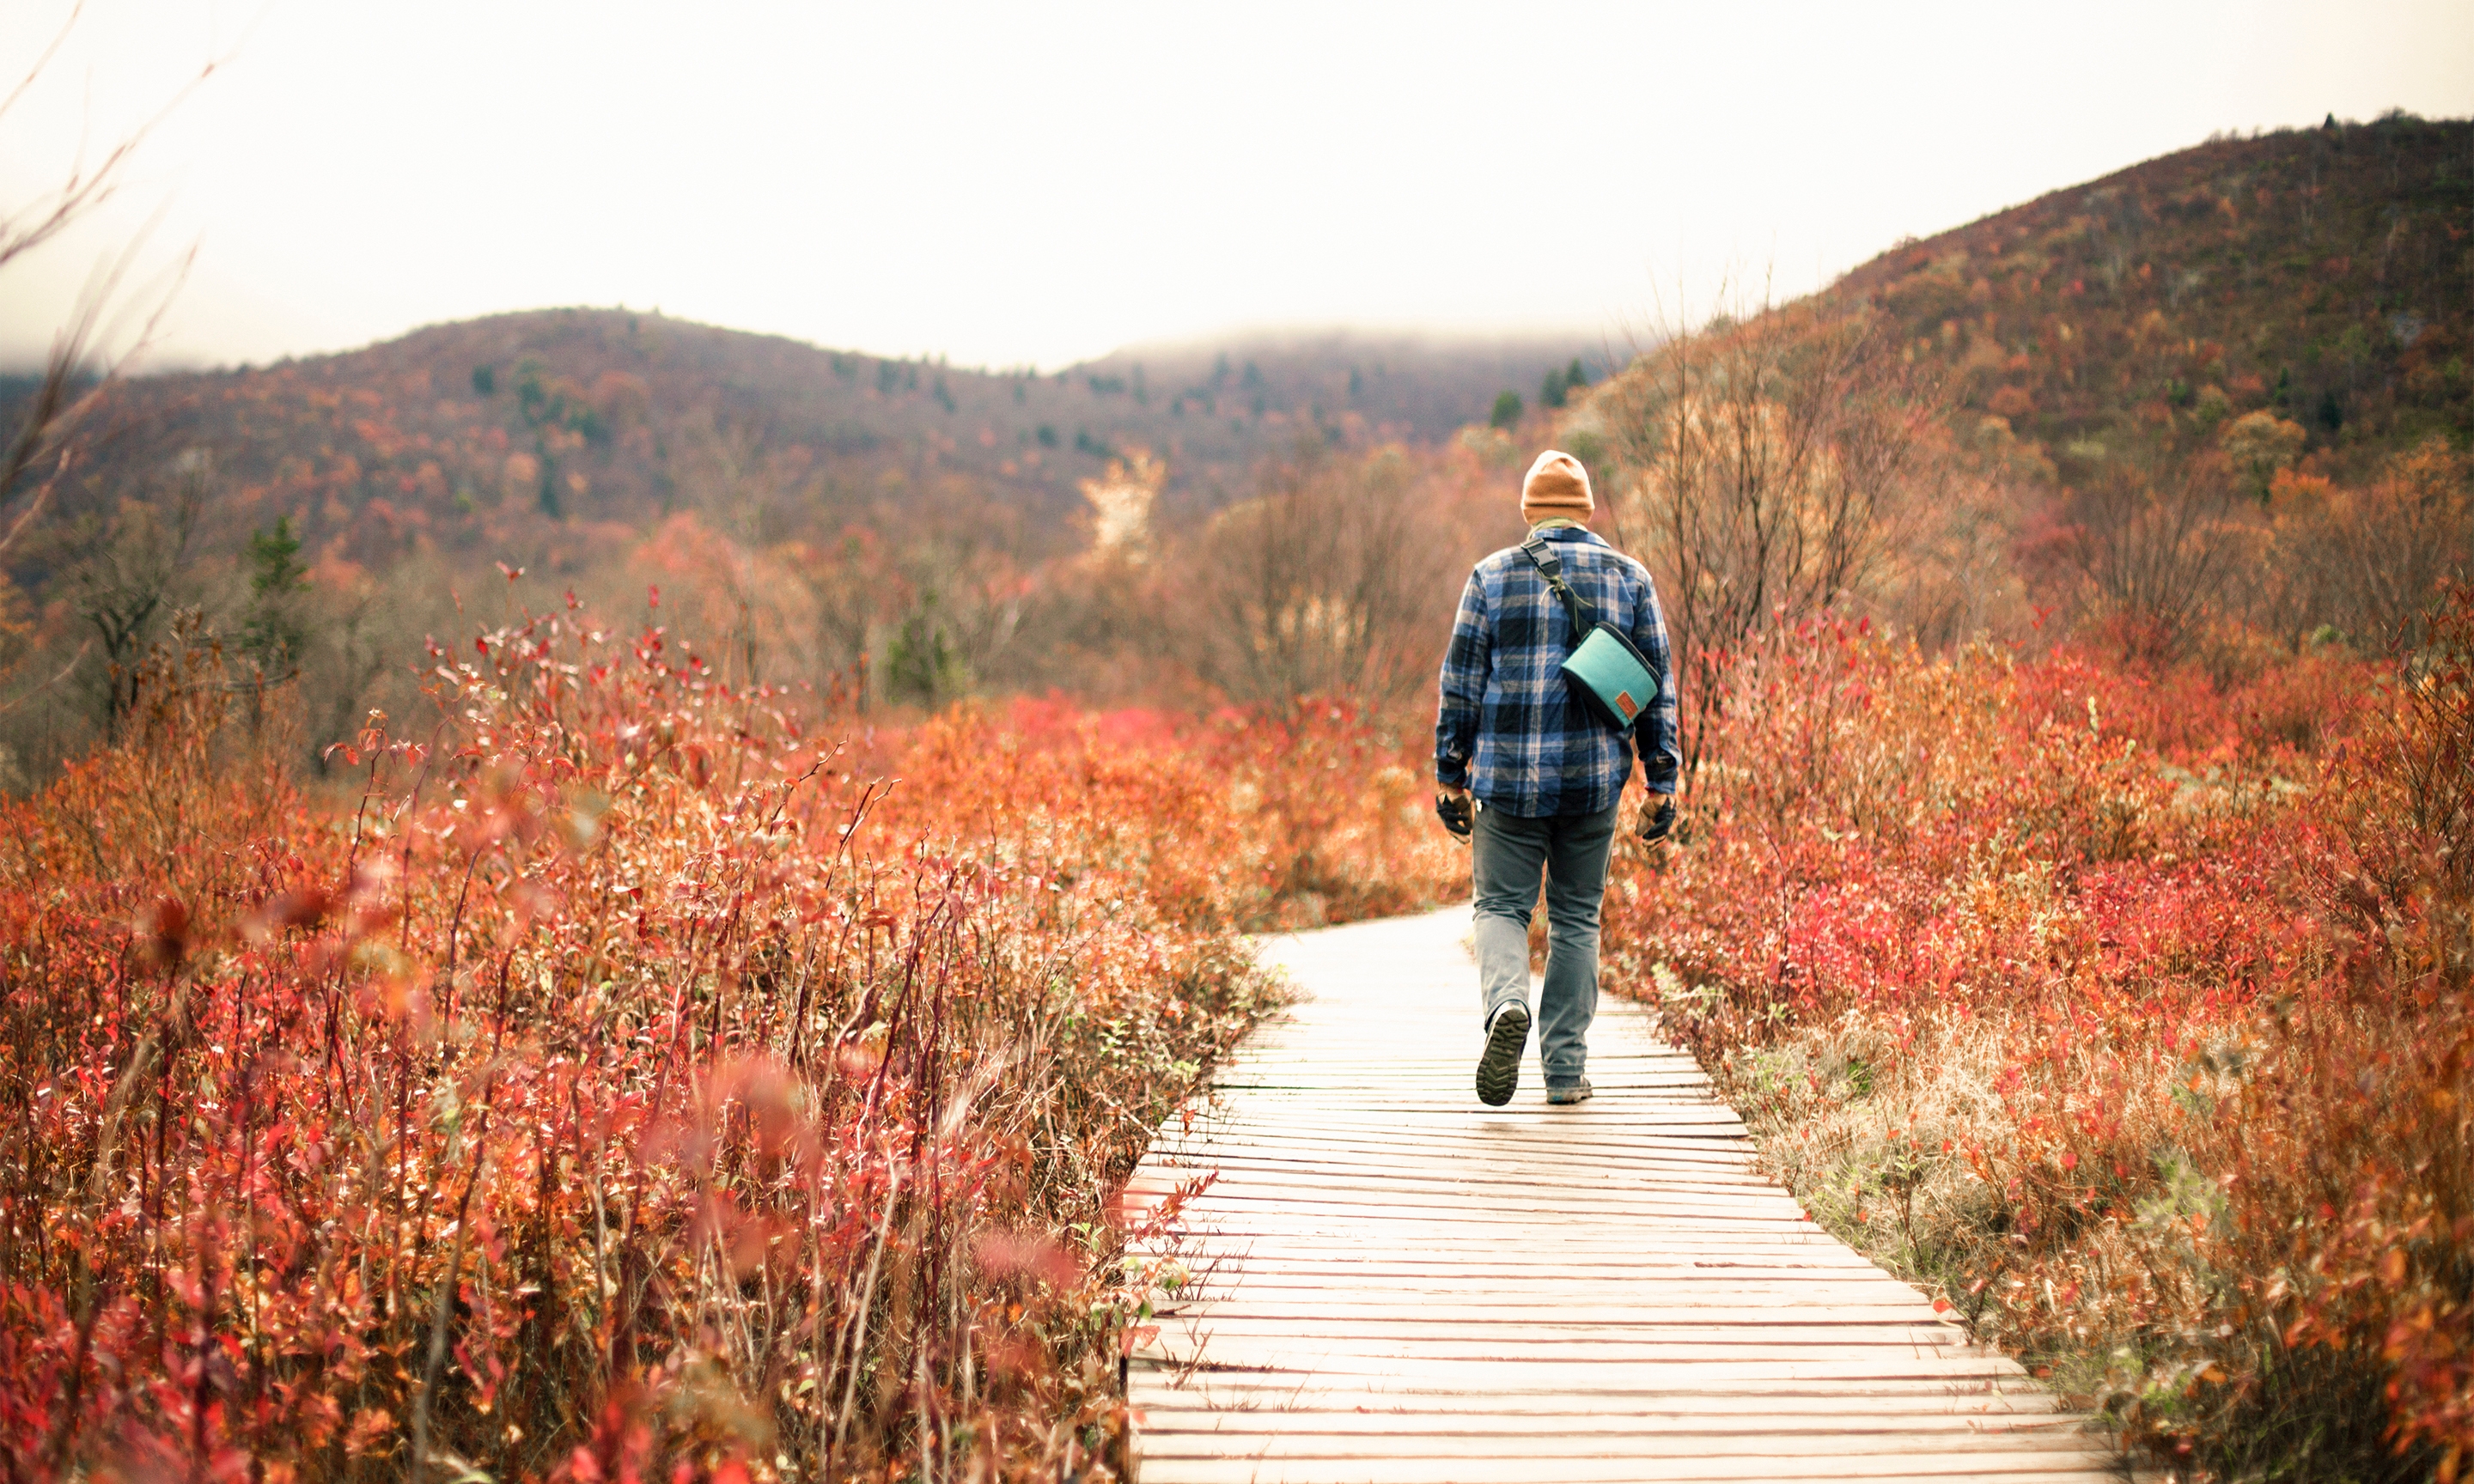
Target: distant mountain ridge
x,y
2324,273
491,430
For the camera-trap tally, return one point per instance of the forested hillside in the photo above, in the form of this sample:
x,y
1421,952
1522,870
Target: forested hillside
x,y
475,434
2325,275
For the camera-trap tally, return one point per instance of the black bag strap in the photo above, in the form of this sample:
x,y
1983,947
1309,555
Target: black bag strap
x,y
1550,567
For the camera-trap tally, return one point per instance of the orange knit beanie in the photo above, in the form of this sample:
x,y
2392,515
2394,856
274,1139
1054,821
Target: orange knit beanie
x,y
1557,485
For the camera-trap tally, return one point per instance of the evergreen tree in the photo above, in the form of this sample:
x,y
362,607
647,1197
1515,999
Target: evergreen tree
x,y
547,496
2331,411
272,633
923,664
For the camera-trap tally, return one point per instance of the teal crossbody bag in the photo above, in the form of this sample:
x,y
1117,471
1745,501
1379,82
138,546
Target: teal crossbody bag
x,y
1604,669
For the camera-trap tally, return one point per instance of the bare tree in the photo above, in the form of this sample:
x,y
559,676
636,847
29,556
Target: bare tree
x,y
2371,561
1766,465
2154,549
2386,554
1327,583
126,581
847,575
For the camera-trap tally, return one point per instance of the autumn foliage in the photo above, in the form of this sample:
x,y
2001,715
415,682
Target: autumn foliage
x,y
2133,1013
626,1079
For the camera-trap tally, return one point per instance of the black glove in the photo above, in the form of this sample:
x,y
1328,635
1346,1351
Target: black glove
x,y
1454,811
1657,817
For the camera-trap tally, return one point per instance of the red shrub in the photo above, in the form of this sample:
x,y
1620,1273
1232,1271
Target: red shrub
x,y
631,1083
2139,998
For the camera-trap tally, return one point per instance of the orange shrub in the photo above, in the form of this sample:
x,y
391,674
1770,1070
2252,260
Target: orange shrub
x,y
1279,817
631,1083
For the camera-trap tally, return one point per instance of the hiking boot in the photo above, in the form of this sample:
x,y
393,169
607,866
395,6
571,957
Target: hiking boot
x,y
1568,1092
1498,1067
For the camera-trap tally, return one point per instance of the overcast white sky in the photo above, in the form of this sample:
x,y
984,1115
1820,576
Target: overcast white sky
x,y
1020,184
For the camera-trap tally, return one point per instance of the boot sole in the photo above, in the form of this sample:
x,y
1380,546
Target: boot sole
x,y
1498,1067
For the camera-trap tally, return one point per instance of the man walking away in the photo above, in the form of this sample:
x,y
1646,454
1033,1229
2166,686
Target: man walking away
x,y
1547,776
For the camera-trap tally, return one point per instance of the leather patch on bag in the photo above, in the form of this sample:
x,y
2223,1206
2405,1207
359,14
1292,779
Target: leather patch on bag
x,y
1625,704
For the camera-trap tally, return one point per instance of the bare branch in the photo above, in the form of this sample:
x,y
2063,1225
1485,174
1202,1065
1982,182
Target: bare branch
x,y
60,38
57,407
24,228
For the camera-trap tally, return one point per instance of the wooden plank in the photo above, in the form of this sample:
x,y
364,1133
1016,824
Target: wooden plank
x,y
1575,1208
2051,1437
1336,1151
1276,1293
1344,1165
1269,1286
1749,1417
1680,1254
1479,1366
1643,1242
1555,1329
1504,1153
1297,1180
1411,1201
1752,1241
2066,1468
1387,1281
1237,1391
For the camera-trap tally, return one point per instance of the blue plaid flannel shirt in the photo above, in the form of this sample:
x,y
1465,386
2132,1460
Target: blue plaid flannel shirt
x,y
1509,729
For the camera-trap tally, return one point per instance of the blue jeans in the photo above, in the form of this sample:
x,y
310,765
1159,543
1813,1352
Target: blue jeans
x,y
1507,854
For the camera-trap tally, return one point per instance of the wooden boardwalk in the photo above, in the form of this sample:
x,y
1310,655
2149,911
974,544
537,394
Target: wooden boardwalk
x,y
1395,1283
